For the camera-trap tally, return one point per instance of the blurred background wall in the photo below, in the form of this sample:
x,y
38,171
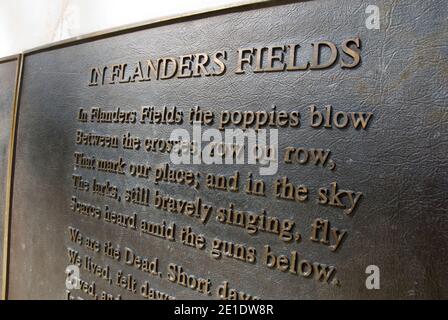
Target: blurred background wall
x,y
25,24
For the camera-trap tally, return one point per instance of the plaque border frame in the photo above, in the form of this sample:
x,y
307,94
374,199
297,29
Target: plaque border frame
x,y
244,5
10,171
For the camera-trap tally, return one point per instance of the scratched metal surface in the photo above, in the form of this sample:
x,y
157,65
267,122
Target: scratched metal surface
x,y
399,162
7,83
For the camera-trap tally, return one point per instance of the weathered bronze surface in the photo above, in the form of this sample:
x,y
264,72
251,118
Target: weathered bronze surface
x,y
94,185
8,75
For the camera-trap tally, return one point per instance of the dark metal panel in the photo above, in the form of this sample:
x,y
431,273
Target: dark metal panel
x,y
398,163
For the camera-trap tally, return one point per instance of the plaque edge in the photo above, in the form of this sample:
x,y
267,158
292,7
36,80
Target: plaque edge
x,y
10,170
170,19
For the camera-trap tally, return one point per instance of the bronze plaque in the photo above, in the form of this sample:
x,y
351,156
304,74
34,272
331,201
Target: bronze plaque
x,y
291,150
8,77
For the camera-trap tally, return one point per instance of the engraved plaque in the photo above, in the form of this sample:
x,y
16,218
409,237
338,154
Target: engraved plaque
x,y
283,150
8,71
